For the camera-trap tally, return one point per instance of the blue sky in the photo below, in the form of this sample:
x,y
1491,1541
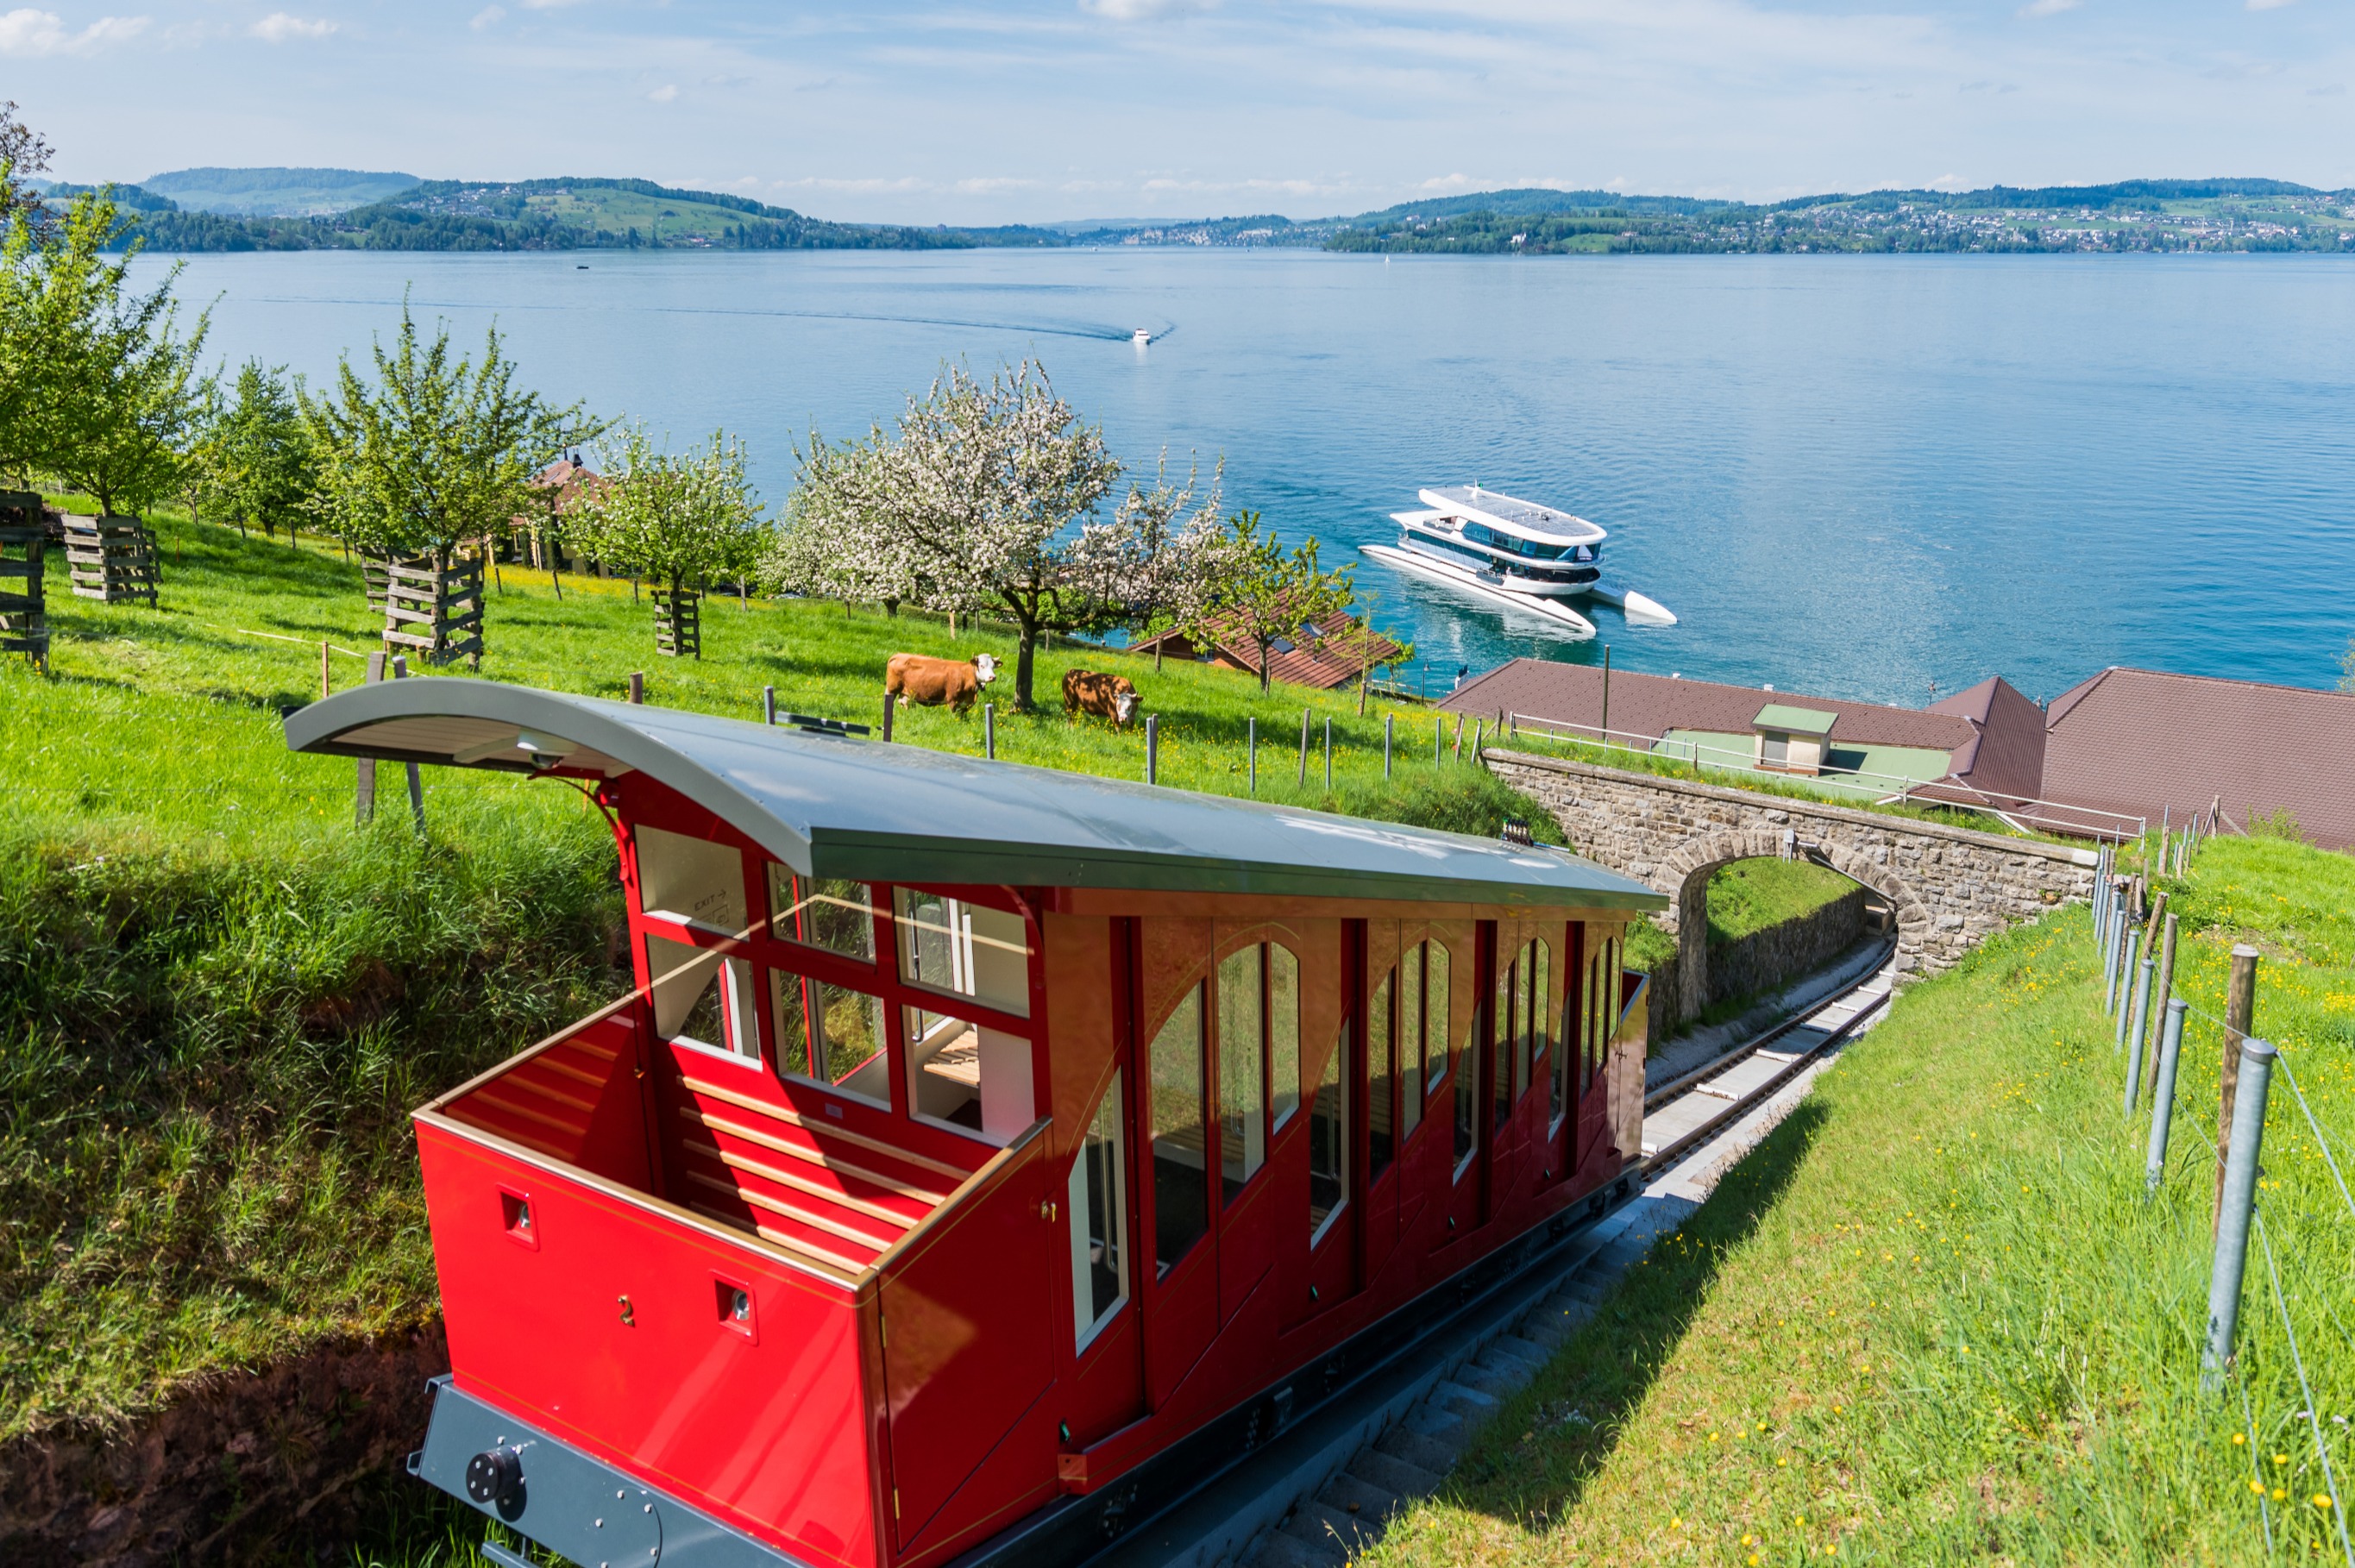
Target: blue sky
x,y
1052,108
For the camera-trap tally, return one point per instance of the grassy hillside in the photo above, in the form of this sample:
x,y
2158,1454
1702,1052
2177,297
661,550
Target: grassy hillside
x,y
226,996
1933,1321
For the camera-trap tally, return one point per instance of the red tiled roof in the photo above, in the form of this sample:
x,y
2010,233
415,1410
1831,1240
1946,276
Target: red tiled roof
x,y
1652,705
1340,651
2151,744
2005,755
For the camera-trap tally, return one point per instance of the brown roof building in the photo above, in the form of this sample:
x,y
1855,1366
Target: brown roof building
x,y
2126,745
1330,653
2159,744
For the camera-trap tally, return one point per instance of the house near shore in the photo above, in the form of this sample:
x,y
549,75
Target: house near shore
x,y
2122,748
1327,655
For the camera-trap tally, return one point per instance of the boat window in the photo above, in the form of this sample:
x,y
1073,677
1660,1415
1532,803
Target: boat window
x,y
822,911
1099,1221
692,881
1381,1071
1329,1133
829,1035
964,949
1180,1201
1283,1028
1243,1058
701,998
967,1075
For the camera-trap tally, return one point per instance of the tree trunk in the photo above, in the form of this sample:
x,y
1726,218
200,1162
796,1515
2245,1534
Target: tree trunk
x,y
1025,660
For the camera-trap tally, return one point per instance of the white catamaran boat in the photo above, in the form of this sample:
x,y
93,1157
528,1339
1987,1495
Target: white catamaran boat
x,y
1512,552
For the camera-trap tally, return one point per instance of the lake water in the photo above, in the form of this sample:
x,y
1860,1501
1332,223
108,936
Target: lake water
x,y
1870,477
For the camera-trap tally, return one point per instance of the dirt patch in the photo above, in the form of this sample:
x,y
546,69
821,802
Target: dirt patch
x,y
240,1468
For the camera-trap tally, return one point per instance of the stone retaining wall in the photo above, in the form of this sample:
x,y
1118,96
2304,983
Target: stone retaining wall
x,y
1949,886
1765,960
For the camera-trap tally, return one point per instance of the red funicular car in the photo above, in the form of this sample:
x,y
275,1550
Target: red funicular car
x,y
986,1153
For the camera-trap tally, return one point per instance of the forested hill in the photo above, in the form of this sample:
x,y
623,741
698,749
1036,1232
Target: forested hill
x,y
2131,215
524,215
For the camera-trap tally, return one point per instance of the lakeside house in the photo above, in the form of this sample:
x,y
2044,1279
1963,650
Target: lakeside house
x,y
2124,745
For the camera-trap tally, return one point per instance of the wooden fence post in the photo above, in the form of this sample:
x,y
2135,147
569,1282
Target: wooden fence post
x,y
2240,1017
364,803
326,672
637,685
416,780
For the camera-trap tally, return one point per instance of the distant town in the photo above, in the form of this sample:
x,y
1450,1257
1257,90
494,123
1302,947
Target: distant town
x,y
305,210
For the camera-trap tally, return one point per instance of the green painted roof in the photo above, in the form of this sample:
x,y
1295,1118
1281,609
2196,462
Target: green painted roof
x,y
1797,720
837,805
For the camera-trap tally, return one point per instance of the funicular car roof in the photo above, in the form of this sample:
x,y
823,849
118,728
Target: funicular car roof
x,y
839,805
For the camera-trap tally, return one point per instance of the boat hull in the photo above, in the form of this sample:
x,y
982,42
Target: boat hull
x,y
1564,620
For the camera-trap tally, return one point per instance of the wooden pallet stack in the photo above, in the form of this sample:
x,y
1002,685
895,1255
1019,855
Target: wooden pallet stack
x,y
678,622
437,610
24,614
112,559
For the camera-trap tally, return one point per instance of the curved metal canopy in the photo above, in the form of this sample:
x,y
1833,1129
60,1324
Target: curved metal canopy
x,y
837,805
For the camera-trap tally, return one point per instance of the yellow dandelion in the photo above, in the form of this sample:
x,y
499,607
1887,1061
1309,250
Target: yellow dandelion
x,y
2280,1496
2238,1439
2322,1500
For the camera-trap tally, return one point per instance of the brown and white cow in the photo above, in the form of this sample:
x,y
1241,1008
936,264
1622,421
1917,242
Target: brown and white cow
x,y
929,683
1112,697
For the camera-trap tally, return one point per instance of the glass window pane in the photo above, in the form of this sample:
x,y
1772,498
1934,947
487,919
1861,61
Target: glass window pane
x,y
1436,1003
1500,1026
1284,1029
824,911
1180,1173
830,1035
1381,1076
1329,1136
967,1075
1467,1078
692,881
947,945
1410,1016
1242,1049
694,988
1098,1219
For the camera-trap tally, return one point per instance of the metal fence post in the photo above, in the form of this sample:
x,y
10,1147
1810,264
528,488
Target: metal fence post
x,y
1438,739
2162,1099
1387,718
1153,748
2164,991
1303,781
1251,751
2125,987
2134,1035
2240,1018
1328,753
2239,1203
768,705
887,706
2109,964
989,731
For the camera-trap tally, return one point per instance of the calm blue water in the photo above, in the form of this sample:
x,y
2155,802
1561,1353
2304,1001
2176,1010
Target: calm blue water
x,y
1851,475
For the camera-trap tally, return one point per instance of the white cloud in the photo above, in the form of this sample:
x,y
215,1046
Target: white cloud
x,y
2049,8
278,28
547,5
1145,10
664,93
29,34
485,17
2269,5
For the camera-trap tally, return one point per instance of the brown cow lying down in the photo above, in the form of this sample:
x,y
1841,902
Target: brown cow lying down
x,y
1112,697
930,682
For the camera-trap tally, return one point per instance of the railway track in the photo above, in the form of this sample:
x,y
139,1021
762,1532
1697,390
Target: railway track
x,y
1354,1476
1691,1108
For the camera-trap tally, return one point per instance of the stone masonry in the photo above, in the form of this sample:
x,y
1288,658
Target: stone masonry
x,y
1950,886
